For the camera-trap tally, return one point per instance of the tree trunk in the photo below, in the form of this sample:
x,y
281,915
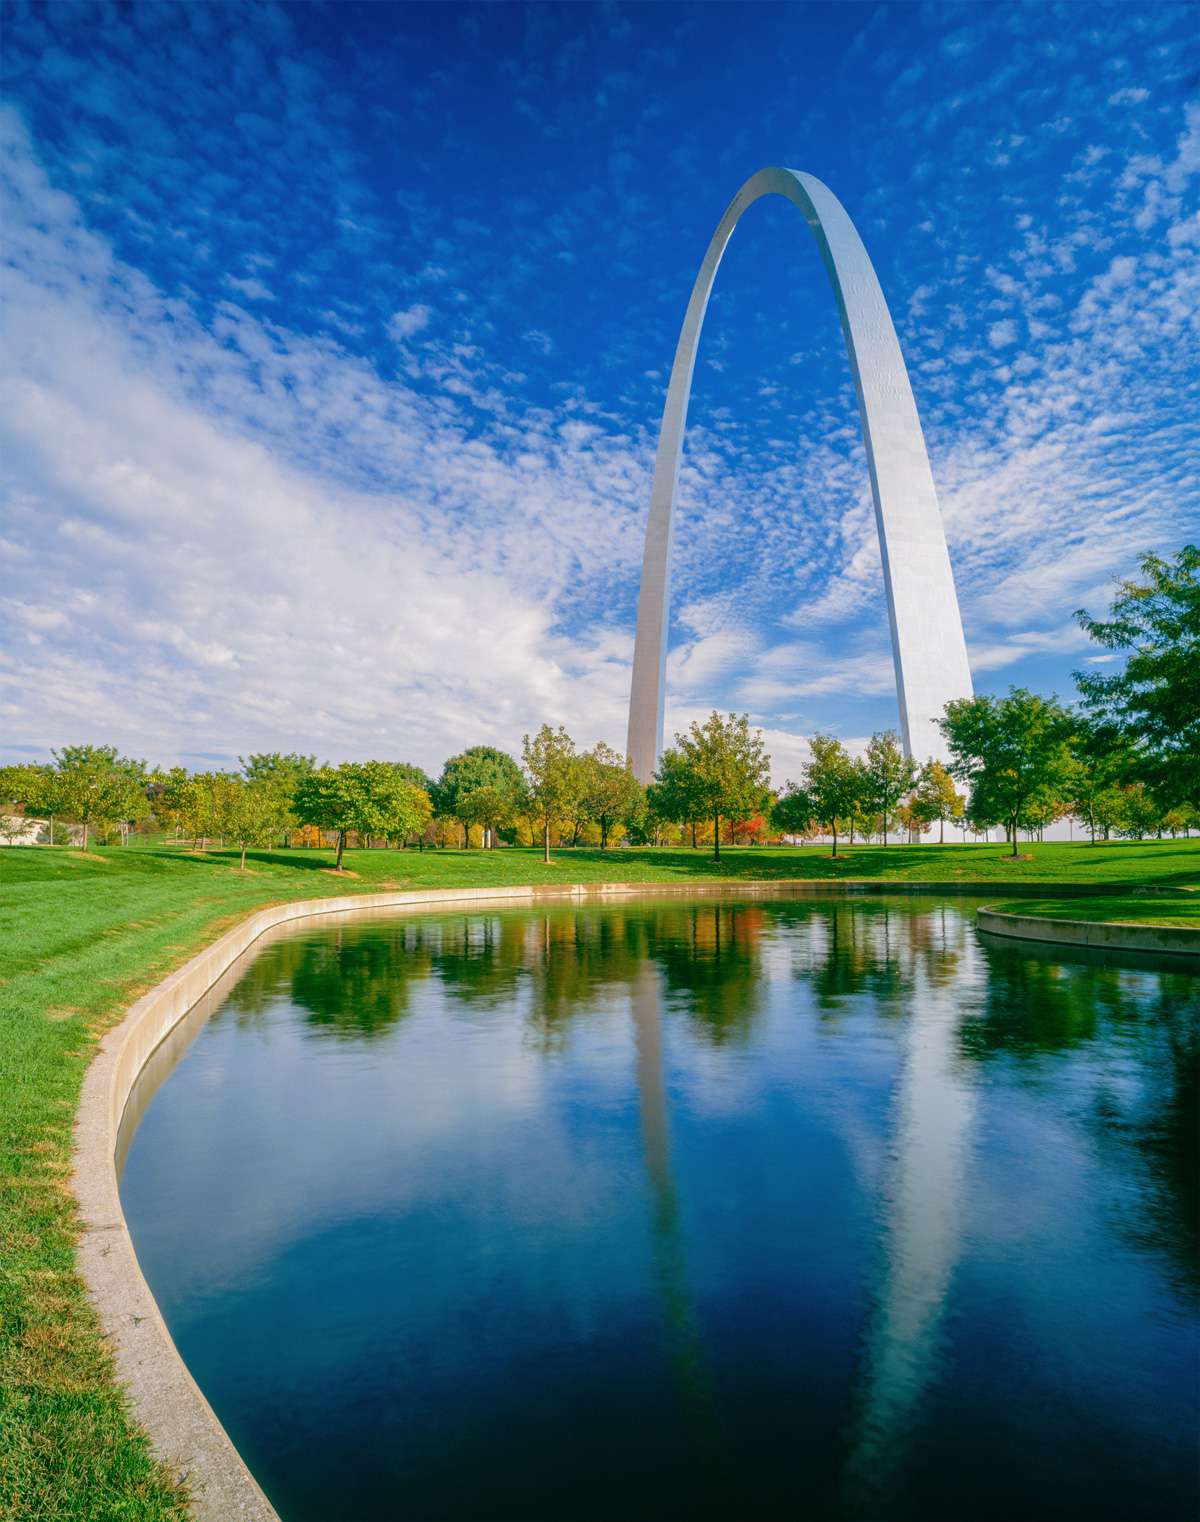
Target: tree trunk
x,y
603,832
546,841
695,847
942,830
716,837
1015,850
85,835
243,866
341,846
833,832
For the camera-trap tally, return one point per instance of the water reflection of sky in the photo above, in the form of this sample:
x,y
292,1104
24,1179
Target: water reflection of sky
x,y
839,1203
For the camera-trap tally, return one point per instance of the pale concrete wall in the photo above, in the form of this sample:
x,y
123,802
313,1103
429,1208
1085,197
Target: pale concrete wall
x,y
1175,939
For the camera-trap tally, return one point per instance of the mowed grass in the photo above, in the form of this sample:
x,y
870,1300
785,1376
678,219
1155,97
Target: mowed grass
x,y
81,936
1143,910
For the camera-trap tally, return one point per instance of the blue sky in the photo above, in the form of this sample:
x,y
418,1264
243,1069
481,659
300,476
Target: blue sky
x,y
335,340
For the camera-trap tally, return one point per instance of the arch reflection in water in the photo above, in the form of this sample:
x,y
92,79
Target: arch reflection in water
x,y
707,1208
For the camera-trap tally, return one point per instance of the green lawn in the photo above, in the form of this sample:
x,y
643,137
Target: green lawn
x,y
1143,910
82,936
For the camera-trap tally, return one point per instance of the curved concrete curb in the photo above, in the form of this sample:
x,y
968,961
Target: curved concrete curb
x,y
182,1425
1099,935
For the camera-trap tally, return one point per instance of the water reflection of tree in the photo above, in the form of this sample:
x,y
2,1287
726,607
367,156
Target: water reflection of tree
x,y
1144,1119
710,955
354,985
351,982
860,947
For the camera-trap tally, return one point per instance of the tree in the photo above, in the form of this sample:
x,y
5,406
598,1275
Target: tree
x,y
727,770
937,798
1155,699
276,773
34,788
888,775
831,785
487,807
1140,812
1101,757
258,813
1012,751
556,779
92,782
910,818
204,803
673,797
368,797
792,811
611,793
481,766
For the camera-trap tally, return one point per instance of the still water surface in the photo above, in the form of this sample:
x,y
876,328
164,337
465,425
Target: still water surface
x,y
759,1209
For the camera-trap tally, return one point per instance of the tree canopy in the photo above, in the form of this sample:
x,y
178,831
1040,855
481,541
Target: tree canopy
x,y
1012,751
611,793
480,769
721,771
1154,700
887,776
556,778
830,789
369,797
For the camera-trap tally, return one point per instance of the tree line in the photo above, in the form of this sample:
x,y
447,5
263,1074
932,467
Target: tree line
x,y
1125,759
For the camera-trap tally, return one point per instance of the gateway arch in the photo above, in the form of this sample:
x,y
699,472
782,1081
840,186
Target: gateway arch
x,y
928,648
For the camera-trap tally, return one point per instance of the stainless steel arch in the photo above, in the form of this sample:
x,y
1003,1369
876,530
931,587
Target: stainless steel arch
x,y
928,648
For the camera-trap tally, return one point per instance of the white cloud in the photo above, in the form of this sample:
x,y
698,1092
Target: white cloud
x,y
408,323
1001,334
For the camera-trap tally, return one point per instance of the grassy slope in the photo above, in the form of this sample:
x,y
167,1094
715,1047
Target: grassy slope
x,y
80,937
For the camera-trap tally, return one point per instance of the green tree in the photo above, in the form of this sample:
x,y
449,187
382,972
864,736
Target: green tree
x,y
936,798
480,766
674,797
1154,700
727,768
611,793
205,804
1140,813
92,783
831,784
888,776
555,776
34,789
1101,758
368,797
792,811
258,813
277,773
1013,752
487,807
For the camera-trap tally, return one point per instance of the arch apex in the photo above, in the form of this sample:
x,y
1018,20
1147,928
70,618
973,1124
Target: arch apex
x,y
928,648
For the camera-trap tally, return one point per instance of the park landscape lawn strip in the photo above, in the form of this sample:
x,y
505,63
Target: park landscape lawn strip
x,y
82,936
1176,912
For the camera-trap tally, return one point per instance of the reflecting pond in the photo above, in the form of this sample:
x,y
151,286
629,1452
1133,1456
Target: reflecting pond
x,y
686,1208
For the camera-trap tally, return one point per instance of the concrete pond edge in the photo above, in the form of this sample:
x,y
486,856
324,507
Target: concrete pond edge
x,y
183,1428
1099,935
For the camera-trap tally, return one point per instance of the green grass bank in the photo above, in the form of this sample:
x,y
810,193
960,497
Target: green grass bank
x,y
1142,910
83,935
